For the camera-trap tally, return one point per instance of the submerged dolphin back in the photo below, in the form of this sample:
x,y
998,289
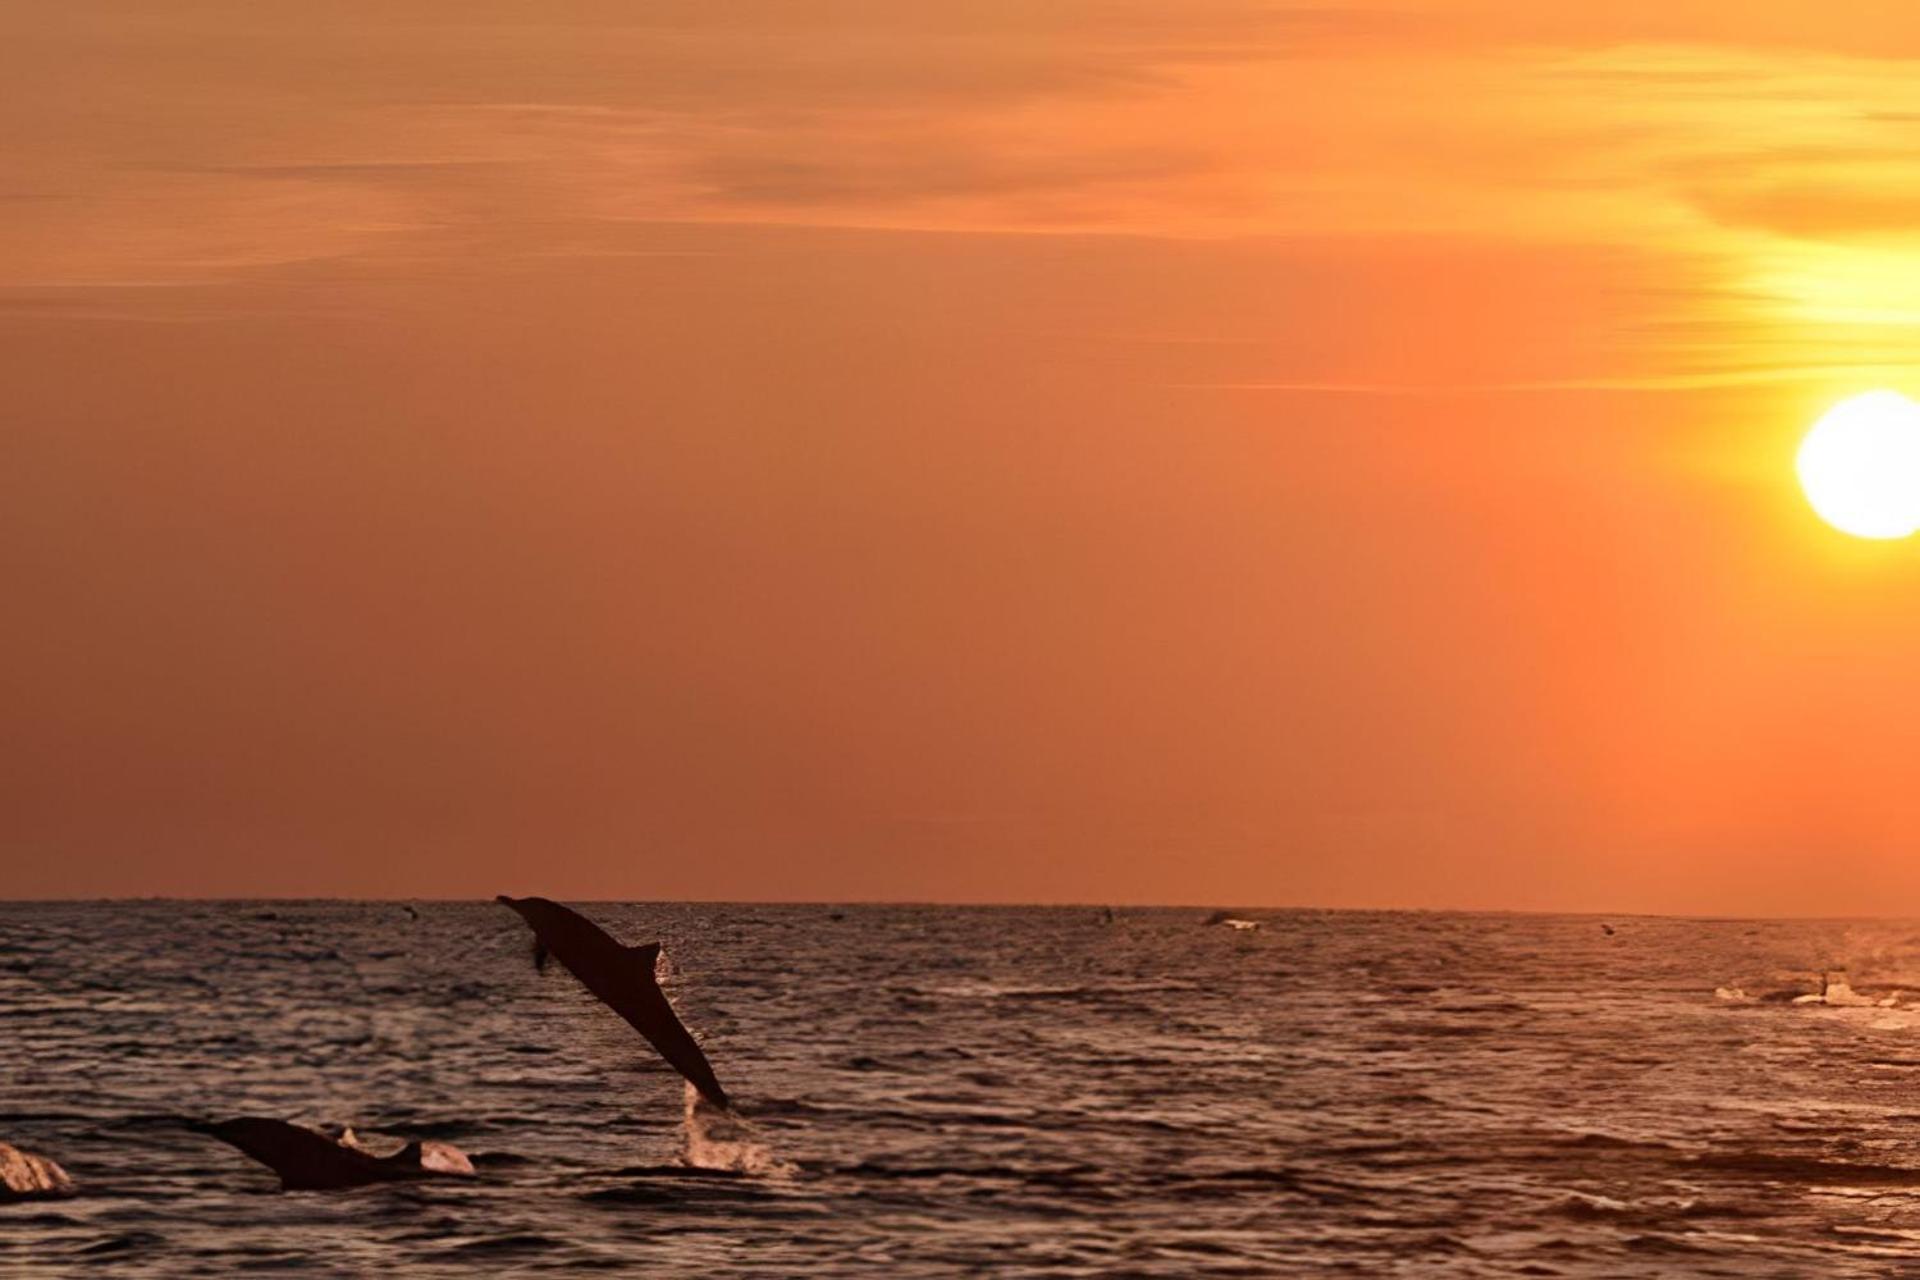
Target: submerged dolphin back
x,y
621,977
309,1161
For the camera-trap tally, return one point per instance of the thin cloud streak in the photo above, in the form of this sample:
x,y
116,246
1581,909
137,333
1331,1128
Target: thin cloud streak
x,y
1669,382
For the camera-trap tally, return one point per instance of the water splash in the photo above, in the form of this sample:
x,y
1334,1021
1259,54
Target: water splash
x,y
720,1140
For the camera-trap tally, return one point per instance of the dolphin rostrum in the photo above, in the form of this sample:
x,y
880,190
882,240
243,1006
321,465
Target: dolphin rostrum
x,y
621,977
309,1161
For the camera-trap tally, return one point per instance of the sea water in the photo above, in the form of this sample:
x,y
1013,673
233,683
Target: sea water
x,y
941,1091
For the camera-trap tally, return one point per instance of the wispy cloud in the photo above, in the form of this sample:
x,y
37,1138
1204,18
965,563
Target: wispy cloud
x,y
230,137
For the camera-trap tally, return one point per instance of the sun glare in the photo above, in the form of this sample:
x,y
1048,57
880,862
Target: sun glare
x,y
1860,466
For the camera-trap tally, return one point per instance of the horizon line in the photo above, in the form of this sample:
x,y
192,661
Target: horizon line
x,y
1293,909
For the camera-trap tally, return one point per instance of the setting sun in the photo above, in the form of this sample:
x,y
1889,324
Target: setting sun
x,y
1860,466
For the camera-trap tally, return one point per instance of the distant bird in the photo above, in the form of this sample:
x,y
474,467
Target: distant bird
x,y
310,1161
25,1176
622,978
1106,915
413,912
1607,929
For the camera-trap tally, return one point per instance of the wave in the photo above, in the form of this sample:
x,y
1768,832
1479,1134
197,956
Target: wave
x,y
518,1242
1652,1211
125,1242
1808,1169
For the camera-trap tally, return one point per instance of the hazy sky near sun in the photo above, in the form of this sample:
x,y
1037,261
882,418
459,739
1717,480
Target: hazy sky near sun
x,y
1195,451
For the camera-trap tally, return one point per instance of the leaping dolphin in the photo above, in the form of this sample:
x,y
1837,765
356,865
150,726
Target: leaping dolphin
x,y
621,977
309,1161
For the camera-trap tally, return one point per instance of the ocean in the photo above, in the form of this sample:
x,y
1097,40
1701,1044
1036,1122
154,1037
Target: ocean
x,y
948,1091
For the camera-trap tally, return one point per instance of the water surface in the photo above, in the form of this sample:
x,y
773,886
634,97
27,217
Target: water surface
x,y
1035,1092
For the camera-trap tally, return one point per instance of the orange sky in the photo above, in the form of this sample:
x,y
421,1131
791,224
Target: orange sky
x,y
972,449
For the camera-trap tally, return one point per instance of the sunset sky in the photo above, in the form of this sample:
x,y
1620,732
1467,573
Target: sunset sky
x,y
992,450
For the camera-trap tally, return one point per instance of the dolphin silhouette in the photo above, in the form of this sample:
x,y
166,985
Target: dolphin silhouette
x,y
309,1161
621,978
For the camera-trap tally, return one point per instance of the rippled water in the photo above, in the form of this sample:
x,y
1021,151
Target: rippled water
x,y
952,1090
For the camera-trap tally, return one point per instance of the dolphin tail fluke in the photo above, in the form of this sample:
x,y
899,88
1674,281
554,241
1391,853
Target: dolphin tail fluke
x,y
665,1032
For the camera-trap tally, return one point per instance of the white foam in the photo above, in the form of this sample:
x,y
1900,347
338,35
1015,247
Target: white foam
x,y
1843,996
721,1140
24,1174
435,1157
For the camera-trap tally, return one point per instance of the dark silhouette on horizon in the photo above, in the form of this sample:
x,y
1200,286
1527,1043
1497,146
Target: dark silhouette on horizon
x,y
622,978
